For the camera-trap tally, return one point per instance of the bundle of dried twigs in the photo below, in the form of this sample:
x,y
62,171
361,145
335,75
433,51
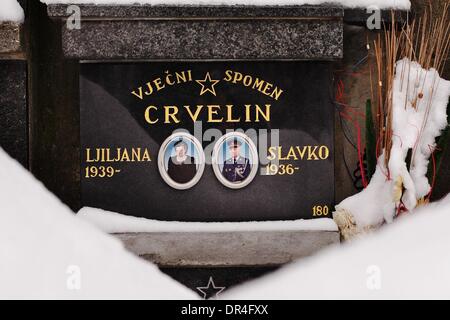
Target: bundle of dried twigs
x,y
424,40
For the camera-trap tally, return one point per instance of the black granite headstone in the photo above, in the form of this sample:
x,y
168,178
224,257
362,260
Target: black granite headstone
x,y
13,109
129,109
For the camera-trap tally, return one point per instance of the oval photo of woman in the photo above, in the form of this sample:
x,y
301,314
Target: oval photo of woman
x,y
181,161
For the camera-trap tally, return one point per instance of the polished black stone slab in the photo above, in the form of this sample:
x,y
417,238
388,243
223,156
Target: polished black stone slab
x,y
202,32
54,109
112,117
13,109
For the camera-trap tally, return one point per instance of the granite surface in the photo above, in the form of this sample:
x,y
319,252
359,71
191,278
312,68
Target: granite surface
x,y
199,33
164,11
10,37
13,109
204,40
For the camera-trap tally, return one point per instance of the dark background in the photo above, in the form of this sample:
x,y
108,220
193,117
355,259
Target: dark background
x,y
112,117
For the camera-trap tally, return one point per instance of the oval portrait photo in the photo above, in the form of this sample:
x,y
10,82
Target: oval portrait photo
x,y
235,160
181,161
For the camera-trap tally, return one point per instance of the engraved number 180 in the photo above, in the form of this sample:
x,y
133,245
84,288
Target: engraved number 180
x,y
320,211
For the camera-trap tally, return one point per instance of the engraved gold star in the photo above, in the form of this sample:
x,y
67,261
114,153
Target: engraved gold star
x,y
208,87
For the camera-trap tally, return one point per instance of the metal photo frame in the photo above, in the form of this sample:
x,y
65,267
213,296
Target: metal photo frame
x,y
253,160
200,161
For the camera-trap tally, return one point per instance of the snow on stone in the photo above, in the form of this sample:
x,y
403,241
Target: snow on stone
x,y
406,260
420,99
116,223
10,10
382,4
47,253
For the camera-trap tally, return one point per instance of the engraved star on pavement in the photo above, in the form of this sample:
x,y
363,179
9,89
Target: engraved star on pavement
x,y
207,84
211,291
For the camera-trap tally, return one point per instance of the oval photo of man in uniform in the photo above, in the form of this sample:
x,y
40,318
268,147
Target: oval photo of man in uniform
x,y
237,167
236,160
181,161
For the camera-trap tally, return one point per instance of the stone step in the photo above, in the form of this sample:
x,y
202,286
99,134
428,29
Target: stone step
x,y
227,249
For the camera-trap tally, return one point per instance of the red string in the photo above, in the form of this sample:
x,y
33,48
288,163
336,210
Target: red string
x,y
360,156
340,98
357,113
401,209
359,148
401,141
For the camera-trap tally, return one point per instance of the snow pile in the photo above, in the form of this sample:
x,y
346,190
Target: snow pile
x,y
407,260
374,204
420,99
10,10
382,4
410,131
47,253
116,223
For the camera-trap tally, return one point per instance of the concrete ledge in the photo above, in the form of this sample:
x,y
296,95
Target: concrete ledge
x,y
10,37
226,249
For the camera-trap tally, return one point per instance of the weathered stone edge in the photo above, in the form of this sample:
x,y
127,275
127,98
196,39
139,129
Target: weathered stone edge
x,y
209,32
184,11
10,37
205,40
235,249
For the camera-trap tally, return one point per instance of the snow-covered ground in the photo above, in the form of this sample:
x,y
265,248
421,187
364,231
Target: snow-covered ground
x,y
407,260
382,4
46,252
111,222
10,10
